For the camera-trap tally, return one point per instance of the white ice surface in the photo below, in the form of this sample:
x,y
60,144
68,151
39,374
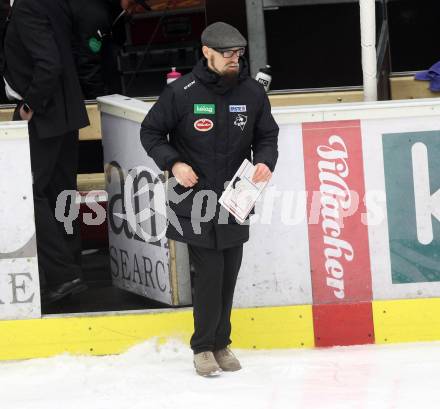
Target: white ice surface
x,y
147,376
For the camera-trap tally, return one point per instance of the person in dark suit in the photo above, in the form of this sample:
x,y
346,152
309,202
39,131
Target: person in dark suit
x,y
40,74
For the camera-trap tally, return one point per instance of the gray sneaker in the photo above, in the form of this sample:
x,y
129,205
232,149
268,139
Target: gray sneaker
x,y
205,364
227,360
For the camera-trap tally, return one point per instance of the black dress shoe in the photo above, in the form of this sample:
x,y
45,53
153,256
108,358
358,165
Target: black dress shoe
x,y
60,291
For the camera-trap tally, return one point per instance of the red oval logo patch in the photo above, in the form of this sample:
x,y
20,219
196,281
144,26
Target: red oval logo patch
x,y
203,125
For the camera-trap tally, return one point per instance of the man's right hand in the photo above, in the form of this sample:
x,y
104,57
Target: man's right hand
x,y
184,174
26,116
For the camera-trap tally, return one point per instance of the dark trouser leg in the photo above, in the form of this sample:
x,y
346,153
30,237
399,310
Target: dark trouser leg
x,y
207,299
64,178
232,263
214,282
55,259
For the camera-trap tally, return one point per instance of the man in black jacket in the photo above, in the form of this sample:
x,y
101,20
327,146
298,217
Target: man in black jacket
x,y
216,117
40,74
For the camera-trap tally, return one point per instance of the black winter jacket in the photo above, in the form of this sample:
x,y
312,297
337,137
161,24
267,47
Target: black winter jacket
x,y
212,126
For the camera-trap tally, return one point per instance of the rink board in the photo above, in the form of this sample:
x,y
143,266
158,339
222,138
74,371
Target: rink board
x,y
19,280
371,277
256,328
386,229
143,260
381,161
407,320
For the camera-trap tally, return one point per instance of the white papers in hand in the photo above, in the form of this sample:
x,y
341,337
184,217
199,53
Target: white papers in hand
x,y
241,193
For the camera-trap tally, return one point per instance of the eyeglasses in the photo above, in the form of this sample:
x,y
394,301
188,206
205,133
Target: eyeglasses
x,y
230,53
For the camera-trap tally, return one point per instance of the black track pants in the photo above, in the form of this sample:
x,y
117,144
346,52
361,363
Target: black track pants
x,y
215,276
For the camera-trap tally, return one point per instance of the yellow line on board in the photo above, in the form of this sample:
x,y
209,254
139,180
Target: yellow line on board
x,y
415,320
263,328
98,335
273,328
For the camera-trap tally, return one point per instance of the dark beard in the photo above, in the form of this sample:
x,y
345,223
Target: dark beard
x,y
224,80
227,77
230,79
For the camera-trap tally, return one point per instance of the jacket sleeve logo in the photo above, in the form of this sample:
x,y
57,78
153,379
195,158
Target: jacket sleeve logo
x,y
203,125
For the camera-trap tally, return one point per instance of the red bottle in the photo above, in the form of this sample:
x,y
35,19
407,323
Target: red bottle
x,y
173,75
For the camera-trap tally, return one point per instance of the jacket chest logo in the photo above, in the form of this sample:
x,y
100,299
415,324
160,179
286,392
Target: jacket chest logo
x,y
241,121
203,125
237,108
204,109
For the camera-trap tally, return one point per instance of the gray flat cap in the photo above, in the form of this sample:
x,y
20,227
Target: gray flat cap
x,y
222,35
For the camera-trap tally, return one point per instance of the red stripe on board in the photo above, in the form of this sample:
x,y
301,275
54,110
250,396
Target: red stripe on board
x,y
338,240
343,324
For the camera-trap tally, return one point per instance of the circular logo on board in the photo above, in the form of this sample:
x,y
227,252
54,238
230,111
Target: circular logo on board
x,y
203,125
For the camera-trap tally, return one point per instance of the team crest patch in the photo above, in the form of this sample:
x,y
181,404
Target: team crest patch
x,y
241,121
237,108
203,125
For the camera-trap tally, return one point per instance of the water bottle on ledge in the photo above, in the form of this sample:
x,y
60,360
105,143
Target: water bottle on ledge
x,y
173,75
264,77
